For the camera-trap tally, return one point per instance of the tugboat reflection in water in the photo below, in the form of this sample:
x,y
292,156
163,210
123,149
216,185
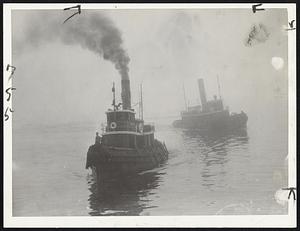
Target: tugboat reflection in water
x,y
123,196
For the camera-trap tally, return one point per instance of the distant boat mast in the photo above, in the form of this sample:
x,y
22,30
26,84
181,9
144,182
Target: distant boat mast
x,y
184,96
219,87
141,102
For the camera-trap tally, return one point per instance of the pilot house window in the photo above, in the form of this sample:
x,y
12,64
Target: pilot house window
x,y
122,116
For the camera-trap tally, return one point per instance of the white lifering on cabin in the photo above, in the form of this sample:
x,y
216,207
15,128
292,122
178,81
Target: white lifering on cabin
x,y
113,125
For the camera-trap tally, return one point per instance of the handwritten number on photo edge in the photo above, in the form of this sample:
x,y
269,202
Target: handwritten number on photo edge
x,y
254,8
6,115
79,11
9,93
291,24
291,189
12,67
12,70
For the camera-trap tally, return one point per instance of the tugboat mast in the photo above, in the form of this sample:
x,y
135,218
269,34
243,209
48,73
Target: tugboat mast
x,y
114,96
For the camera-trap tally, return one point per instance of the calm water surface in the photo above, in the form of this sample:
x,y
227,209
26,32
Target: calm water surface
x,y
236,173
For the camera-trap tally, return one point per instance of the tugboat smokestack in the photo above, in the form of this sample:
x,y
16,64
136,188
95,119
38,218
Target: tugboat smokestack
x,y
202,92
126,96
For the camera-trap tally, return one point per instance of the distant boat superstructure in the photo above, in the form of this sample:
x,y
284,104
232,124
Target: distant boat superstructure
x,y
210,115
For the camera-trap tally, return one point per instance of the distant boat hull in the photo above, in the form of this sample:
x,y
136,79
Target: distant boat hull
x,y
213,121
109,162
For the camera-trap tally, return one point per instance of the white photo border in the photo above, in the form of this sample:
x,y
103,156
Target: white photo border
x,y
150,221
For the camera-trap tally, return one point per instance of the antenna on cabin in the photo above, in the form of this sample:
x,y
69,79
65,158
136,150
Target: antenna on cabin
x,y
141,89
219,87
114,96
184,96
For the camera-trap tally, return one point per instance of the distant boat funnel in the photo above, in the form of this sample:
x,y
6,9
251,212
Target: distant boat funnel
x,y
202,92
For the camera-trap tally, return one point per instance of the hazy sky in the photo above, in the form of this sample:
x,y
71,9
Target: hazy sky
x,y
59,83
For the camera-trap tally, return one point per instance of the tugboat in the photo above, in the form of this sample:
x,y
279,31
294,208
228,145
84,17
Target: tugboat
x,y
127,145
210,116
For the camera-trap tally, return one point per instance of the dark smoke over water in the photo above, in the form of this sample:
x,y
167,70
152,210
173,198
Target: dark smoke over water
x,y
93,31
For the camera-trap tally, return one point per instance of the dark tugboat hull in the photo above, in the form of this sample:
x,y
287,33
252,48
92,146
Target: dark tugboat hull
x,y
110,162
214,122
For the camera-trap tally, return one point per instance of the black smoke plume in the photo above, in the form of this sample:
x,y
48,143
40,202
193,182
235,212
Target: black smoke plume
x,y
92,30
